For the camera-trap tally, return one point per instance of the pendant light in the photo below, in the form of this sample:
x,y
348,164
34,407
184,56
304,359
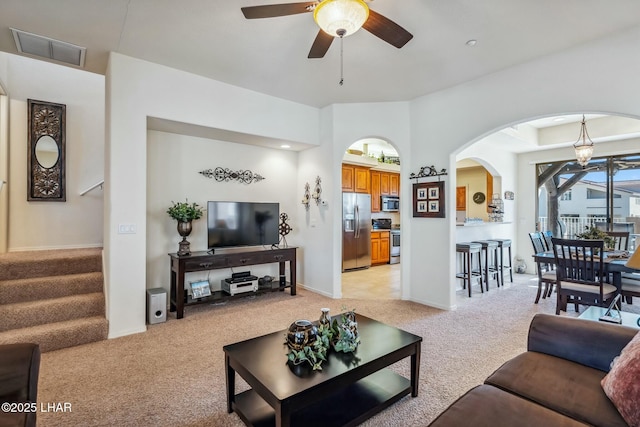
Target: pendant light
x,y
583,146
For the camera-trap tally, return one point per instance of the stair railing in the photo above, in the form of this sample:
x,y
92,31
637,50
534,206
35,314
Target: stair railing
x,y
93,187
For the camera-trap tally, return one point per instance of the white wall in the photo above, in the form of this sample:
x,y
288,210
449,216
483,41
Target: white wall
x,y
78,221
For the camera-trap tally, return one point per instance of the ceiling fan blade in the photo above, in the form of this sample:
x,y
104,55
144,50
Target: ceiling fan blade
x,y
275,10
320,45
384,28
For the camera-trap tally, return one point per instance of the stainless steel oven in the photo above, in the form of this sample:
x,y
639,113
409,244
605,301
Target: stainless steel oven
x,y
394,247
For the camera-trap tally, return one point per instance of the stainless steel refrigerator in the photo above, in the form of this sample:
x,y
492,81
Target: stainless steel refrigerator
x,y
356,231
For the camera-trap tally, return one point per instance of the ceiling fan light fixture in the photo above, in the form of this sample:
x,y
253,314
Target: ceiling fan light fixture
x,y
332,16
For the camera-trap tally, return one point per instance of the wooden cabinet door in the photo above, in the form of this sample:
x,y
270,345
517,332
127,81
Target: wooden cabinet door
x,y
375,247
384,184
375,191
384,247
361,180
347,178
394,184
461,198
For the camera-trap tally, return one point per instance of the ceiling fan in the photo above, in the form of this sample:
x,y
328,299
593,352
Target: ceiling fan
x,y
336,18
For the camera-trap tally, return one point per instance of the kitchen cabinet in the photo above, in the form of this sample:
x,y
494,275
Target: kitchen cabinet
x,y
384,183
461,198
375,191
394,184
355,179
379,247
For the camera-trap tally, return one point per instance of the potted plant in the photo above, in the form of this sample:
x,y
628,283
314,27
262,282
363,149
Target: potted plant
x,y
184,213
594,233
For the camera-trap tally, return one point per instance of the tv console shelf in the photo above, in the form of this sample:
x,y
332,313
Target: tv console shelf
x,y
225,258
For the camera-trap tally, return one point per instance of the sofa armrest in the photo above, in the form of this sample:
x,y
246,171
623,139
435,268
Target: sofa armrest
x,y
590,343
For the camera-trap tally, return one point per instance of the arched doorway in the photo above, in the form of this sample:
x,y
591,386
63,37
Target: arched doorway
x,y
371,262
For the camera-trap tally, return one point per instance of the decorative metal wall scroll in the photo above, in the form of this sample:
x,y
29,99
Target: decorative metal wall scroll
x,y
306,197
225,174
46,156
317,191
427,172
284,229
428,200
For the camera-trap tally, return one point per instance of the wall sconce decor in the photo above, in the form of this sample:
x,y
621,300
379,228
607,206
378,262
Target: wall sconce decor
x,y
317,191
306,198
46,157
284,228
226,175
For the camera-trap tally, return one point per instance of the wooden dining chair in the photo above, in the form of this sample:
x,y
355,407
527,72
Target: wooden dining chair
x,y
546,273
621,239
580,273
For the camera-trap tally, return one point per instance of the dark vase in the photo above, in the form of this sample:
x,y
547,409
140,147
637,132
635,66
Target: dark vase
x,y
184,229
301,333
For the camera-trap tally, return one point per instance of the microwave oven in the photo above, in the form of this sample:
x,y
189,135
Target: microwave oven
x,y
390,204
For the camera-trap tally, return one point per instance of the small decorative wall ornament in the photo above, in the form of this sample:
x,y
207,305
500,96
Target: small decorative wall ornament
x,y
284,229
306,198
226,175
317,191
428,172
508,195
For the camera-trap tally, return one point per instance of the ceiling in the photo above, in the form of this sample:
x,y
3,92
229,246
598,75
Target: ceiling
x,y
213,39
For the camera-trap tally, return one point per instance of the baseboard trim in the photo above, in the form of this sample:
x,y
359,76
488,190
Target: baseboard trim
x,y
434,304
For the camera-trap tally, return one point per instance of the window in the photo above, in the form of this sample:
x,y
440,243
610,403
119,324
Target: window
x,y
566,196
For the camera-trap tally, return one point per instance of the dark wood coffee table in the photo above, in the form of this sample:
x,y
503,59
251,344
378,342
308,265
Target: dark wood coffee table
x,y
349,389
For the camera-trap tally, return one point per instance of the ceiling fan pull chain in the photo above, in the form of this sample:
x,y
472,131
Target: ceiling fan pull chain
x,y
341,33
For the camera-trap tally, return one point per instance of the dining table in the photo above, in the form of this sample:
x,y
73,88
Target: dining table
x,y
614,264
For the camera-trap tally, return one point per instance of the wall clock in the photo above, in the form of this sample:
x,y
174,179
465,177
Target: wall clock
x,y
479,197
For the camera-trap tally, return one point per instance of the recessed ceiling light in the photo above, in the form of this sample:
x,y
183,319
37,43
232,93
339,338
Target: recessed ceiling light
x,y
472,42
285,146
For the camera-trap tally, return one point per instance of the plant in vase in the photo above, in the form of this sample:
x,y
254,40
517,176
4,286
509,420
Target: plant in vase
x,y
184,213
594,233
345,337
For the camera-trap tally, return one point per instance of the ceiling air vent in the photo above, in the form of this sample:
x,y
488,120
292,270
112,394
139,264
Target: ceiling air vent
x,y
44,47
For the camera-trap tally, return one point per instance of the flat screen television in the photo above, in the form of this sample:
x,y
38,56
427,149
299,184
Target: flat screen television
x,y
242,224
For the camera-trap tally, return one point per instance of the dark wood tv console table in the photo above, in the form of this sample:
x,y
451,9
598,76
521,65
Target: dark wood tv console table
x,y
225,258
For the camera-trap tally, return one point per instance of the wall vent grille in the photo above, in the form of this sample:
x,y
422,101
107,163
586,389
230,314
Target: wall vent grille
x,y
45,47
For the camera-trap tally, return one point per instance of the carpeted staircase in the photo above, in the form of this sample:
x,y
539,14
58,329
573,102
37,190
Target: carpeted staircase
x,y
53,298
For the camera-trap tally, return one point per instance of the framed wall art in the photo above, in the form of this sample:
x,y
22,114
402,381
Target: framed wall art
x,y
46,155
428,200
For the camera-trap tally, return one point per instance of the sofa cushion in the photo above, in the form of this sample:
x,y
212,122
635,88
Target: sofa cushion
x,y
561,385
487,406
622,383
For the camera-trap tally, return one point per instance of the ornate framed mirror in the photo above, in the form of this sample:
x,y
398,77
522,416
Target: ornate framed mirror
x,y
46,157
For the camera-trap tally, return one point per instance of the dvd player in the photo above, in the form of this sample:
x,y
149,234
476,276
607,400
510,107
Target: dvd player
x,y
247,278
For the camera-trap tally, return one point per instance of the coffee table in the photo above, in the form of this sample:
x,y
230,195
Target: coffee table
x,y
349,389
628,319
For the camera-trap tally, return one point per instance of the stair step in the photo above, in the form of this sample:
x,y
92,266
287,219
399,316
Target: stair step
x,y
32,313
55,336
41,288
23,265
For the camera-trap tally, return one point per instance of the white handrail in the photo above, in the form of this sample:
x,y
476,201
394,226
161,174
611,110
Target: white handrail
x,y
94,186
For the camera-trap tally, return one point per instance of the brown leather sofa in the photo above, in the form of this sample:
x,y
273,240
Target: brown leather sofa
x,y
555,383
19,370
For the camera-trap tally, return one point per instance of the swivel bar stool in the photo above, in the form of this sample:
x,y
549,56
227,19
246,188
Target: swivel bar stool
x,y
490,255
502,245
468,250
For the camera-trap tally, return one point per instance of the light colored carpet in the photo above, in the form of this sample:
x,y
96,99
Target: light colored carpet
x,y
173,375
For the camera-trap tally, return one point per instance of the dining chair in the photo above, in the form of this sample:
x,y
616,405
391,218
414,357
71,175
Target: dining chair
x,y
546,274
580,273
547,235
621,239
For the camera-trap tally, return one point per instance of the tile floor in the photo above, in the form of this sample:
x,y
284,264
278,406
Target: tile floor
x,y
378,282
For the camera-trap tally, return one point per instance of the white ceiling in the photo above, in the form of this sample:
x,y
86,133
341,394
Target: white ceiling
x,y
213,39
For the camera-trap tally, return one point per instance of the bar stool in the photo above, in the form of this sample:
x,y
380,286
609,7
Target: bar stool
x,y
504,244
467,250
490,252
